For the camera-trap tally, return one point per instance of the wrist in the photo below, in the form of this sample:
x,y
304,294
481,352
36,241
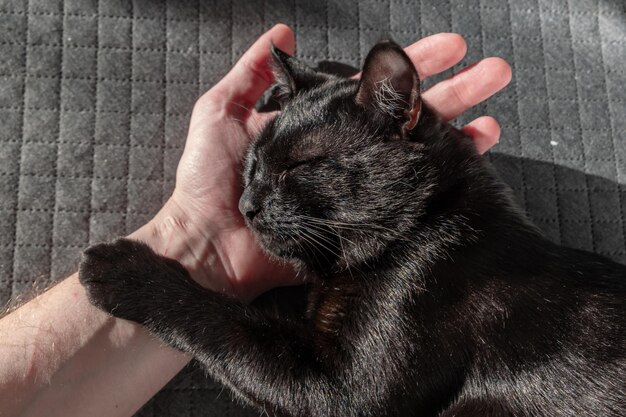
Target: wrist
x,y
173,233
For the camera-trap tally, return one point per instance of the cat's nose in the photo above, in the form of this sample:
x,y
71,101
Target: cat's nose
x,y
248,207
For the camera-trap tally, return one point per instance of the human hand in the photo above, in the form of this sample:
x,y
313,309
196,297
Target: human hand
x,y
201,225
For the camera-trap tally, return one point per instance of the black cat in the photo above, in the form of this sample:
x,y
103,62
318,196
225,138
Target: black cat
x,y
430,295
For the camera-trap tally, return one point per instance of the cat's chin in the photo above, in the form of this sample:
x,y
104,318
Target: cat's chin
x,y
279,247
289,249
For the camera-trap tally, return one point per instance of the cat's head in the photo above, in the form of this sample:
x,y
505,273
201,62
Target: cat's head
x,y
339,174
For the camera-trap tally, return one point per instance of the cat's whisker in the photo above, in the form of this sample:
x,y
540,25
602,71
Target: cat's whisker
x,y
322,244
338,223
324,239
258,127
338,229
361,229
349,226
254,121
345,257
314,247
332,225
316,240
316,227
251,119
340,246
336,232
333,229
298,244
247,109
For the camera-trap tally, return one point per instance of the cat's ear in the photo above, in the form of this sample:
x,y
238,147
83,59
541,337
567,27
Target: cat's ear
x,y
292,75
390,85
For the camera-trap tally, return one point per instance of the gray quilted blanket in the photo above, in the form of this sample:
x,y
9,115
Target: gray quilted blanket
x,y
95,98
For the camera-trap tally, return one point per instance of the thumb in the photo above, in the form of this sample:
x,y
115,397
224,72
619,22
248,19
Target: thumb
x,y
252,74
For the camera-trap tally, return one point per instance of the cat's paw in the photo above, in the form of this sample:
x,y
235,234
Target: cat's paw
x,y
117,277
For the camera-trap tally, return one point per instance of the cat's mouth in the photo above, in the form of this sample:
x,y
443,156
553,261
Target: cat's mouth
x,y
283,246
295,244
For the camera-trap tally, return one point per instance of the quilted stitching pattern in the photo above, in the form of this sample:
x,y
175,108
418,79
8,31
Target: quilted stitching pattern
x,y
95,98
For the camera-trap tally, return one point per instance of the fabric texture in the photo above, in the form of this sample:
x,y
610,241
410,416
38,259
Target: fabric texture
x,y
95,98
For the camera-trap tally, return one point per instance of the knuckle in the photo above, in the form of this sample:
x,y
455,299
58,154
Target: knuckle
x,y
461,92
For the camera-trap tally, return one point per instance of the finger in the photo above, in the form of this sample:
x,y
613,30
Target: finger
x,y
469,87
484,131
252,74
436,53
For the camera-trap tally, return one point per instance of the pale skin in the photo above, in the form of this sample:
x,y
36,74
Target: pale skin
x,y
59,356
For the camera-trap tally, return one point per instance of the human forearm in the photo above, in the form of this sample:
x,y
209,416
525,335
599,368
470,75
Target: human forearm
x,y
59,355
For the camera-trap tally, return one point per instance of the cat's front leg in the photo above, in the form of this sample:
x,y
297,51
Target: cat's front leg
x,y
268,361
128,280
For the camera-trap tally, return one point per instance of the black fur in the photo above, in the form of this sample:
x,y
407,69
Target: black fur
x,y
430,293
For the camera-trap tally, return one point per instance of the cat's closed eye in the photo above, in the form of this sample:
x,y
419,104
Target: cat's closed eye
x,y
294,167
282,177
297,164
304,162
